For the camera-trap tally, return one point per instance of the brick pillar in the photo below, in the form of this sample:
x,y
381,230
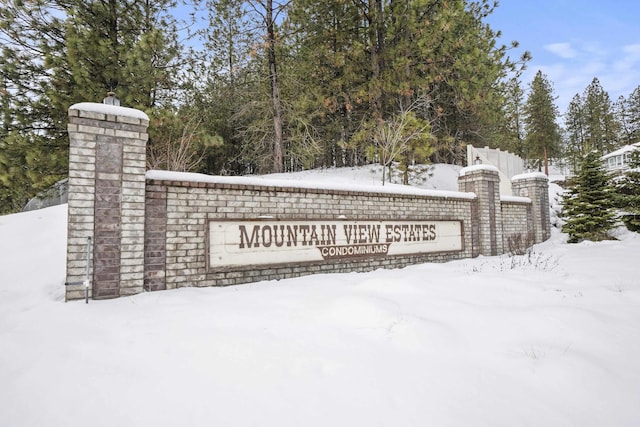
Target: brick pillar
x,y
535,186
155,238
484,181
107,163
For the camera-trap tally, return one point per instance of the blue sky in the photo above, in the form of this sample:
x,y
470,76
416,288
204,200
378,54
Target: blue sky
x,y
573,41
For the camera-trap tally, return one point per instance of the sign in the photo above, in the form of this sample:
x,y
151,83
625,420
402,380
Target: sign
x,y
265,242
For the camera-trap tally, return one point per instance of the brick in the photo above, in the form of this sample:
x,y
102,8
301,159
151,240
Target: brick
x,y
134,171
127,119
108,176
131,289
90,130
126,134
132,271
91,115
134,148
85,172
80,182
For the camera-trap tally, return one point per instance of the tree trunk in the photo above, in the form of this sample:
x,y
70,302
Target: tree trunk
x,y
275,90
546,161
376,36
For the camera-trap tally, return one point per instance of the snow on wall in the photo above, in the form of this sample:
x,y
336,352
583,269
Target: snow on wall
x,y
113,110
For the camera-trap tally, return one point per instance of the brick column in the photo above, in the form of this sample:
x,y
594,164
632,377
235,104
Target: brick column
x,y
484,181
155,238
535,186
107,162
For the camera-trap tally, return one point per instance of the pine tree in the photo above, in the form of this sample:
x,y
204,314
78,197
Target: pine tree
x,y
465,77
218,86
575,127
628,189
633,115
127,47
60,52
246,36
589,209
514,126
543,135
594,123
333,64
601,127
365,58
33,154
622,116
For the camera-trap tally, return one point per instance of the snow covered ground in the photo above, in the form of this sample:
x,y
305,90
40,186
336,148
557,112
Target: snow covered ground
x,y
552,339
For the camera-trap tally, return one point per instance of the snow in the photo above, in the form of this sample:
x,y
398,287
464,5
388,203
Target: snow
x,y
475,168
529,176
110,109
310,180
514,199
546,339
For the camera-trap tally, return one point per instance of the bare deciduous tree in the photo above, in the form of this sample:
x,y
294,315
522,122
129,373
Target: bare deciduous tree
x,y
181,147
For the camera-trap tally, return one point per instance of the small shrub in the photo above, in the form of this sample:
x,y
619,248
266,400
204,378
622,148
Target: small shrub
x,y
531,260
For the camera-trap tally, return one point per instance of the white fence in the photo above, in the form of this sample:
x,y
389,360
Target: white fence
x,y
508,164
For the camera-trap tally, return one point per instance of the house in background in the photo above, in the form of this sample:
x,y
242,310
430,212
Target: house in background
x,y
618,161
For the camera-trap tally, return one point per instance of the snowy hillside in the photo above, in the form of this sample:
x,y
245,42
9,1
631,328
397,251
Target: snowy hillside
x,y
546,340
436,177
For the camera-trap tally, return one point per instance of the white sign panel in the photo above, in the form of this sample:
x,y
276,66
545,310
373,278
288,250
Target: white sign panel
x,y
264,242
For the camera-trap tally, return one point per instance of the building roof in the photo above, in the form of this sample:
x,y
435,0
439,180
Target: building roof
x,y
622,150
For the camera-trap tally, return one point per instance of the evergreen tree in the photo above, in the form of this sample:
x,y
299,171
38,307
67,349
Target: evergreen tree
x,y
128,47
589,208
514,118
632,117
365,58
60,52
601,129
244,42
622,117
543,135
628,189
333,64
593,123
220,85
575,127
286,84
464,80
33,154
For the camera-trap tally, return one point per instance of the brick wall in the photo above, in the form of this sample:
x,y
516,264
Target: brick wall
x,y
149,230
190,205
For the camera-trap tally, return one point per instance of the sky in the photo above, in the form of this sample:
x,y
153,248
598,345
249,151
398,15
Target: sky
x,y
573,41
549,339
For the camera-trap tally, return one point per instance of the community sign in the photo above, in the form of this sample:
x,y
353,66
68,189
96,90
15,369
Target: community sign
x,y
265,242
